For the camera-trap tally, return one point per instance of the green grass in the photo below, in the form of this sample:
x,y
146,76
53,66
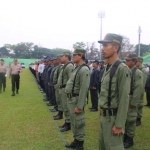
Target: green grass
x,y
27,124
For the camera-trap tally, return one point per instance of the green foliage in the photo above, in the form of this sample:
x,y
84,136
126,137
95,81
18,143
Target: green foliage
x,y
79,45
143,49
29,50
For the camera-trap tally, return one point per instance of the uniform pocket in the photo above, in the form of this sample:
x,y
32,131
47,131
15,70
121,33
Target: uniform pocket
x,y
80,121
116,142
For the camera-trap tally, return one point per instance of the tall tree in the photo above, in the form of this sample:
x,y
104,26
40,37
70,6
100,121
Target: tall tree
x,y
79,45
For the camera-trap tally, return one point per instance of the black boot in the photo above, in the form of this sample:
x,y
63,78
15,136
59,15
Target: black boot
x,y
129,142
54,110
13,94
59,116
66,127
72,144
4,90
138,121
62,125
17,92
79,146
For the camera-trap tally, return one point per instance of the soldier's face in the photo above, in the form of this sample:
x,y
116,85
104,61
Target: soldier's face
x,y
62,59
76,58
130,63
108,49
138,63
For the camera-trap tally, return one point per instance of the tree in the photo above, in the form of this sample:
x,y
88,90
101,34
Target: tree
x,y
92,51
4,52
126,47
79,45
143,49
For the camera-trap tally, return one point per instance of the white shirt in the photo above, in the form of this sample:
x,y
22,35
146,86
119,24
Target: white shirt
x,y
41,68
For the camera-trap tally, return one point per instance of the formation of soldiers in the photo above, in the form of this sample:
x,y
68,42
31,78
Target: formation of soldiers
x,y
120,87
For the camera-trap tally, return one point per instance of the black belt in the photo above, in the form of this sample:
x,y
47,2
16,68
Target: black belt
x,y
71,95
111,112
62,86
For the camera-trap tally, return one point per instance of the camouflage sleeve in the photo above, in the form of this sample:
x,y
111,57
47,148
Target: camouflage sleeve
x,y
84,80
124,79
138,86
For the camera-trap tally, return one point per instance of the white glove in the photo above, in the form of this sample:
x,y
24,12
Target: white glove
x,y
5,75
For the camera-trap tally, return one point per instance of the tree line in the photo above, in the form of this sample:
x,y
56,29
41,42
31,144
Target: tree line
x,y
29,50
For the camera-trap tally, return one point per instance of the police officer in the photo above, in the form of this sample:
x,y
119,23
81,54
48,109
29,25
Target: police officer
x,y
114,95
140,105
76,89
3,74
62,81
134,99
94,86
15,70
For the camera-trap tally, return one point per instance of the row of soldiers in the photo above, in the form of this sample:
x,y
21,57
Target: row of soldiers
x,y
120,99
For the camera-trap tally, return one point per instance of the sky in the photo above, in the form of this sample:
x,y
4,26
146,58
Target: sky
x,y
61,23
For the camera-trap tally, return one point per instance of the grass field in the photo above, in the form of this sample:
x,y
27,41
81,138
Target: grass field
x,y
27,124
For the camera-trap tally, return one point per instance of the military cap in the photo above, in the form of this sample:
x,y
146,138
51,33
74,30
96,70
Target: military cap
x,y
66,54
2,59
102,61
86,60
140,59
131,56
79,51
111,38
96,61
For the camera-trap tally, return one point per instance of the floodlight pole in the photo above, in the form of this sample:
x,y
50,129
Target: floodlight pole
x,y
101,15
139,31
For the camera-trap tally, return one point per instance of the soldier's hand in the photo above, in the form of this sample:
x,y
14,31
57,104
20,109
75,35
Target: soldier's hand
x,y
77,110
116,131
94,88
131,106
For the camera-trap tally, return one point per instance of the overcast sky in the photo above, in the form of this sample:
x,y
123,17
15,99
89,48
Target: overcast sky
x,y
60,23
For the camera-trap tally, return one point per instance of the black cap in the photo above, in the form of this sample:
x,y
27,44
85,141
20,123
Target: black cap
x,y
96,61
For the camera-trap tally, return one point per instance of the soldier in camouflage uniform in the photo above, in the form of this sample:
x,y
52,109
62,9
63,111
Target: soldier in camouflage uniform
x,y
134,98
140,105
76,90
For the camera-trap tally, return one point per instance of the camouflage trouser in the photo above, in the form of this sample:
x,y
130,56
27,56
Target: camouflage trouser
x,y
130,126
77,120
140,106
58,99
64,104
107,141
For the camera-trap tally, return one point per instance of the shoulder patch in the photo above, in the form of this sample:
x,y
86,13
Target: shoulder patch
x,y
126,75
